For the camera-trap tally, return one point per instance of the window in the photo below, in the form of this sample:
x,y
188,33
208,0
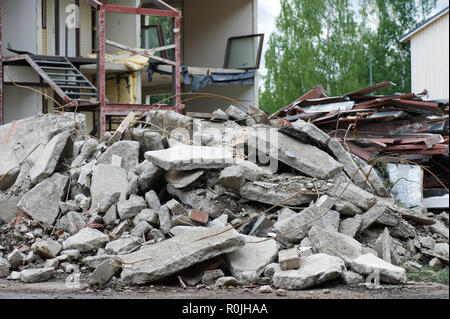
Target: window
x,y
244,52
165,99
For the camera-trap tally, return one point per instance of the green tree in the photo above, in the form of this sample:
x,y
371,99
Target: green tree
x,y
328,42
384,22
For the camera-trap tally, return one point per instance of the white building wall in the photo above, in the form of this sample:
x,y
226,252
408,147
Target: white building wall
x,y
207,25
430,59
21,29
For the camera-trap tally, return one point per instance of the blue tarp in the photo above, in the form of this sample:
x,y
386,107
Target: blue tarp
x,y
198,83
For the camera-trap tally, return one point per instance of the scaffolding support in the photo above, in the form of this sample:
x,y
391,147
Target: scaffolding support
x,y
104,107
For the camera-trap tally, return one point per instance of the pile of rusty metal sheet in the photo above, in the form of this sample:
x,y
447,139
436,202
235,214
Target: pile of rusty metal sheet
x,y
380,126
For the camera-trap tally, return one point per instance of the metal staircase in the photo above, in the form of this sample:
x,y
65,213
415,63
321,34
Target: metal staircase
x,y
65,79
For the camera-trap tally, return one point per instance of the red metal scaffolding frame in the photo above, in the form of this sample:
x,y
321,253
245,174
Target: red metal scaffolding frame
x,y
119,109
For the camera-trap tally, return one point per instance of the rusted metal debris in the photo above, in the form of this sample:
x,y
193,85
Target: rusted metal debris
x,y
373,126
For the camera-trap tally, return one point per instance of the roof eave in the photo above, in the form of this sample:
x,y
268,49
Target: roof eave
x,y
409,35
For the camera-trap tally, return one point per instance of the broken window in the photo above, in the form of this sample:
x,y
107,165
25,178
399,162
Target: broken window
x,y
244,52
153,37
157,32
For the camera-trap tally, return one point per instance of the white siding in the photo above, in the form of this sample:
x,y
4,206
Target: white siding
x,y
430,59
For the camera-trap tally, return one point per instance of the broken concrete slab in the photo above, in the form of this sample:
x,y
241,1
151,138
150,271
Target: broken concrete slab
x,y
307,133
87,149
130,207
298,189
383,245
72,222
248,263
181,220
122,245
227,281
108,200
369,264
108,179
236,113
335,244
187,157
295,228
87,239
427,242
314,270
403,230
350,167
182,179
209,277
375,181
165,218
103,273
47,249
439,228
9,207
346,208
148,215
353,194
417,217
289,259
168,120
37,274
128,151
67,206
148,140
352,278
252,171
152,200
232,177
141,229
203,200
4,267
369,217
42,202
95,261
9,177
33,133
180,252
305,158
47,161
350,226
441,249
15,259
176,208
150,176
110,216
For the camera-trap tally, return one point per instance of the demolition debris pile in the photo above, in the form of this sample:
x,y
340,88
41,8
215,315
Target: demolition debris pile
x,y
379,127
208,202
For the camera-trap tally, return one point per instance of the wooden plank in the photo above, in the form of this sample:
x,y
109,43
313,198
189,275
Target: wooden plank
x,y
121,129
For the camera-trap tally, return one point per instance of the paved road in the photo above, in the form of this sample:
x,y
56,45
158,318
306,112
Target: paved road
x,y
58,290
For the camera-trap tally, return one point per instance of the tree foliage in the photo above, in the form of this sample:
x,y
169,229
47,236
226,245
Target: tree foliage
x,y
332,42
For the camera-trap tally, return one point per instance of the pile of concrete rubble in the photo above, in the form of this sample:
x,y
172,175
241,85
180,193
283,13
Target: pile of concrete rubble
x,y
208,200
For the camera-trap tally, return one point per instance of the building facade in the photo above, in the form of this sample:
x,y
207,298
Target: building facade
x,y
208,52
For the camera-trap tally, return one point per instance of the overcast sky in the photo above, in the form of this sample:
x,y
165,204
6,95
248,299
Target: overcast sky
x,y
268,10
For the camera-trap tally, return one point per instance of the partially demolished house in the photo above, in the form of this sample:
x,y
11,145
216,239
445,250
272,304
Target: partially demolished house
x,y
89,56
